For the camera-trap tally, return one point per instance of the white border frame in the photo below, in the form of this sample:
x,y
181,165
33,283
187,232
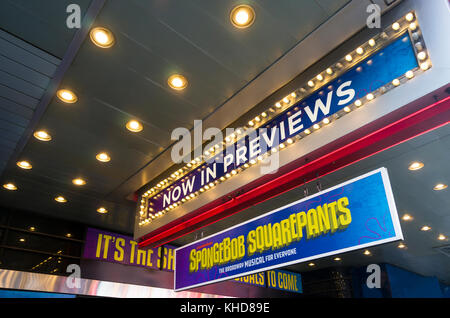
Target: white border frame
x,y
392,209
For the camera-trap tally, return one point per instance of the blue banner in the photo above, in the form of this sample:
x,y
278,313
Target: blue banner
x,y
366,76
356,214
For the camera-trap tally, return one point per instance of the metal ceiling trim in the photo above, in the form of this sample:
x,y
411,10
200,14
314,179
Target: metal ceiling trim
x,y
18,280
79,37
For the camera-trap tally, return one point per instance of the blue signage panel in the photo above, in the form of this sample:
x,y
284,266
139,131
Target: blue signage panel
x,y
353,215
366,76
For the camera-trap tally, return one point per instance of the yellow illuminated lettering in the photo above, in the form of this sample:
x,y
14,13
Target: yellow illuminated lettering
x,y
324,219
345,218
99,245
332,211
312,228
301,223
285,232
277,240
118,254
293,223
251,243
105,251
133,248
193,261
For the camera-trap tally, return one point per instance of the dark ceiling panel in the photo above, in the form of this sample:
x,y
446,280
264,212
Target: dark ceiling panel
x,y
154,39
40,22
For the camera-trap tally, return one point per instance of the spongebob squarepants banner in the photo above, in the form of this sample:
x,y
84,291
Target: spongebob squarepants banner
x,y
356,214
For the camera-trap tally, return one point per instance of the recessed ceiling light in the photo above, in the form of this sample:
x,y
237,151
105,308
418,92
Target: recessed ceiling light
x,y
24,165
68,235
78,182
42,135
367,252
442,237
10,186
242,16
440,186
103,157
134,126
177,82
102,37
61,199
337,259
311,264
32,228
407,217
401,245
416,165
66,96
22,240
425,228
102,210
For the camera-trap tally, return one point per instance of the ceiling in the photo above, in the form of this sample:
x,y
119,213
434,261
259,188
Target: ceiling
x,y
413,194
154,39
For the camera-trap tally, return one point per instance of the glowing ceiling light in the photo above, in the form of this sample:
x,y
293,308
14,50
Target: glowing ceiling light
x,y
319,77
401,245
440,186
422,55
360,50
409,74
60,199
316,126
326,121
425,228
396,82
372,42
78,182
310,83
42,135
409,16
337,259
311,264
367,252
24,165
329,71
10,186
370,96
102,210
358,102
242,16
416,165
347,109
413,26
102,37
134,126
348,58
424,66
442,237
177,82
67,96
407,217
395,26
103,157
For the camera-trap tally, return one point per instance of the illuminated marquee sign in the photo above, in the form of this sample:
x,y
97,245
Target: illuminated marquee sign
x,y
385,61
116,248
330,222
277,279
